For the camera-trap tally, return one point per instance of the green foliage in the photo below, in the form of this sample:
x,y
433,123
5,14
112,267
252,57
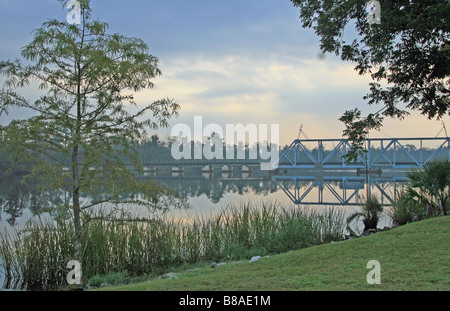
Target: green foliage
x,y
86,125
145,246
82,123
431,187
36,256
413,258
426,195
112,278
357,131
405,210
407,52
369,214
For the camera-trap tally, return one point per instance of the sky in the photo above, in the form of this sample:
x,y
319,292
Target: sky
x,y
230,62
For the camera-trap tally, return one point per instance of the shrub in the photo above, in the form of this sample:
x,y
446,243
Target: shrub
x,y
405,210
370,214
431,187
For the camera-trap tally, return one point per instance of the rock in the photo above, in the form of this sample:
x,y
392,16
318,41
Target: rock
x,y
217,265
351,237
170,275
416,218
104,285
256,258
365,233
373,231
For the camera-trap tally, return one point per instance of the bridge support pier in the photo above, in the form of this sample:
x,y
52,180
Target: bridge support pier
x,y
237,171
177,171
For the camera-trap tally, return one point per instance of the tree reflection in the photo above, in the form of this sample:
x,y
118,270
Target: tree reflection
x,y
18,194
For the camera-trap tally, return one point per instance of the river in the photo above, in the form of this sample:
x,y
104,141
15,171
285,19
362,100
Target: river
x,y
209,190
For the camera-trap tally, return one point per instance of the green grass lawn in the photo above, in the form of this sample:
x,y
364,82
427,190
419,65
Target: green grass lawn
x,y
412,257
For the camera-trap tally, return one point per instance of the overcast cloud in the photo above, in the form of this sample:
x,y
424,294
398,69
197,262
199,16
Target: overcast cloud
x,y
229,61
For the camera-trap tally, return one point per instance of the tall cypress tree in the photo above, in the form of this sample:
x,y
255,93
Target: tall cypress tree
x,y
82,133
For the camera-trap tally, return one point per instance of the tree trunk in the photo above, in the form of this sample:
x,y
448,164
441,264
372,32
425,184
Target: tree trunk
x,y
77,210
441,206
75,166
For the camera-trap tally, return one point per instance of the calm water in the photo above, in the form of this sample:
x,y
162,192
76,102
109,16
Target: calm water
x,y
210,190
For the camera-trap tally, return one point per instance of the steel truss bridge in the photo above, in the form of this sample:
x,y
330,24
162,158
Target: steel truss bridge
x,y
396,153
335,190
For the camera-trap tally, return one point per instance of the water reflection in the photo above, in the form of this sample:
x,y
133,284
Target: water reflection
x,y
18,197
225,184
339,190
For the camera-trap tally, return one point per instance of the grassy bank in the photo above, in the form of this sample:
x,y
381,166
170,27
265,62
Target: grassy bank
x,y
157,245
412,257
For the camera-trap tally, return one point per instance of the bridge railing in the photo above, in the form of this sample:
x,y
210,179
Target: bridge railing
x,y
380,152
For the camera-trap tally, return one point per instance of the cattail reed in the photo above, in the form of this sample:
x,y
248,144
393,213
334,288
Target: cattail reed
x,y
35,258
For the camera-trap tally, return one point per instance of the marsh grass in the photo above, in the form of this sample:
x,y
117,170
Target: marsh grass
x,y
36,257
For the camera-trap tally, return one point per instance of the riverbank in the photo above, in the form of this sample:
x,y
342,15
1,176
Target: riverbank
x,y
412,257
123,245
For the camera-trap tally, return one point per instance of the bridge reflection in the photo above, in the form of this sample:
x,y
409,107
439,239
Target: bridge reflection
x,y
339,190
315,186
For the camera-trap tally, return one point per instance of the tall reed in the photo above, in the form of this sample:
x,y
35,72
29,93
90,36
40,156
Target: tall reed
x,y
35,258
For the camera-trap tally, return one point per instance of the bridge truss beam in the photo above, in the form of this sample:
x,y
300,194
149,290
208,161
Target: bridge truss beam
x,y
380,153
310,190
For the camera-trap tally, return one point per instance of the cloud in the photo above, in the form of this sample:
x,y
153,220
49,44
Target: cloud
x,y
229,61
273,90
212,82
